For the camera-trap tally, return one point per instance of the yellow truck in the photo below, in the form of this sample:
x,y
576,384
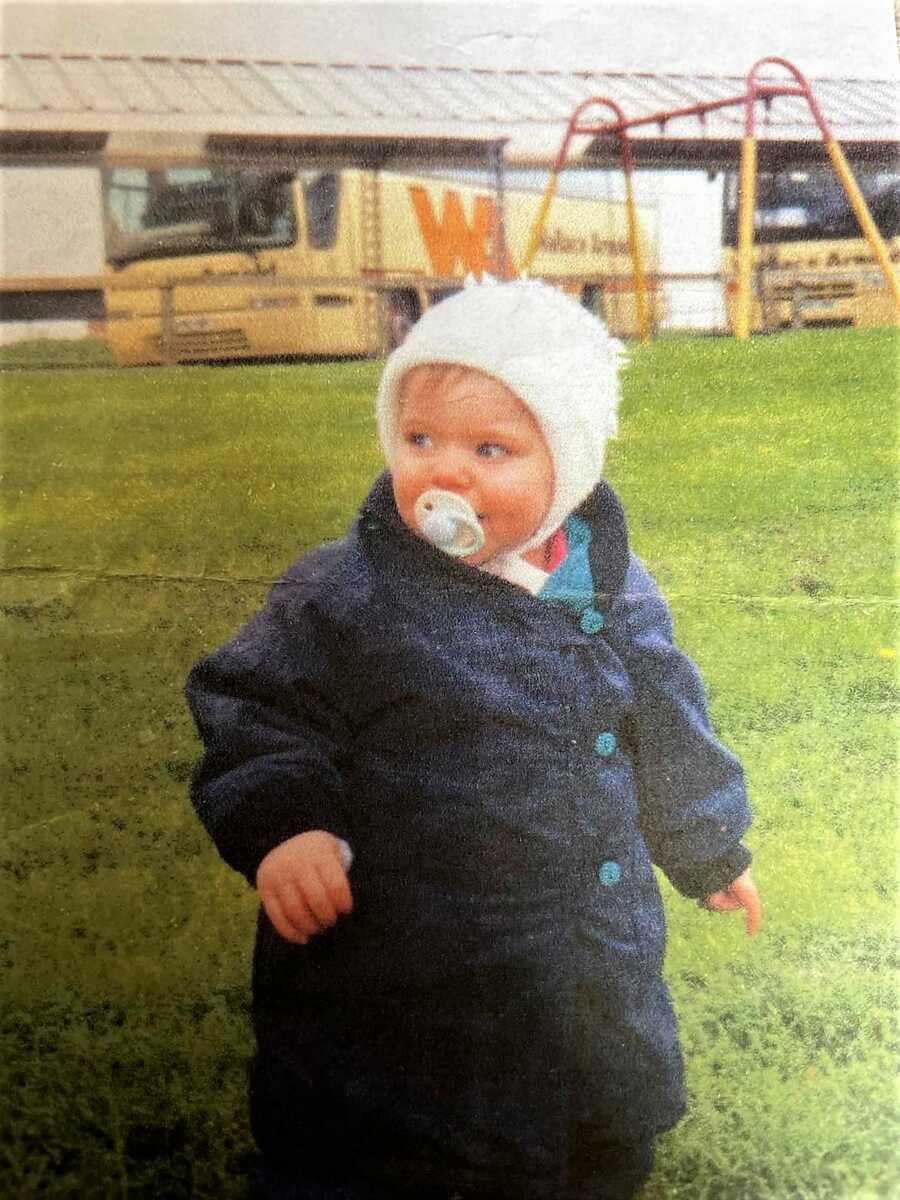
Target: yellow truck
x,y
811,264
213,262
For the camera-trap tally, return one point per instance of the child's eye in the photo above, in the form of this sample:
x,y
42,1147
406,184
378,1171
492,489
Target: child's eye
x,y
492,450
418,439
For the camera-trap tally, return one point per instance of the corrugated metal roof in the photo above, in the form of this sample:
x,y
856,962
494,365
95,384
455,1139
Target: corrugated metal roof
x,y
379,105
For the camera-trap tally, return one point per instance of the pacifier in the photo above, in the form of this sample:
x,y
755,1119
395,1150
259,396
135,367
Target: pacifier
x,y
448,522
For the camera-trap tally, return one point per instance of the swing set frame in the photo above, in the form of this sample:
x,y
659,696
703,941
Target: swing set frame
x,y
757,89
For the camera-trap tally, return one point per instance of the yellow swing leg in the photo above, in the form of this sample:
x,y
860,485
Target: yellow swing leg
x,y
745,238
861,209
540,220
640,282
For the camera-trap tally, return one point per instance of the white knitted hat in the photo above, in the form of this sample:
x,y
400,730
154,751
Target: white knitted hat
x,y
555,355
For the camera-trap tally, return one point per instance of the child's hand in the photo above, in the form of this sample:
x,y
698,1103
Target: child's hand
x,y
740,894
303,885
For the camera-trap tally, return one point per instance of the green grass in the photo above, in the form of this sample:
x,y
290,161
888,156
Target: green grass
x,y
56,352
145,513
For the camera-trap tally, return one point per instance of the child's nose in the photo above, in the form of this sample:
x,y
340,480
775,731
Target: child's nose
x,y
451,472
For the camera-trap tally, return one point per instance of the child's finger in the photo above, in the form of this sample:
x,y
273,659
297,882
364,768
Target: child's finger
x,y
283,924
721,902
335,881
296,909
749,898
743,889
317,900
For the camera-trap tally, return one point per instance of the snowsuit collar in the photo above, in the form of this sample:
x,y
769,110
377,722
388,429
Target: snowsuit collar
x,y
383,534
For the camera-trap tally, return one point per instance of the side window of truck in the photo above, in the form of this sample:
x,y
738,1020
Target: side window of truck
x,y
321,193
265,209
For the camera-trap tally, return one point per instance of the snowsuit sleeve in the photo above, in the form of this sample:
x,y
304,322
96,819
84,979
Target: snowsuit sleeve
x,y
692,800
272,732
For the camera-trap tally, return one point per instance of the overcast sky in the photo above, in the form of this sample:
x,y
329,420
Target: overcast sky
x,y
824,37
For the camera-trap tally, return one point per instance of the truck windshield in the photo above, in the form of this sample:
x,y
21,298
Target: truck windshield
x,y
180,210
809,204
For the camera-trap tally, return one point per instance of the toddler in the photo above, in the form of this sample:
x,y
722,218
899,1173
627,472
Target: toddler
x,y
474,698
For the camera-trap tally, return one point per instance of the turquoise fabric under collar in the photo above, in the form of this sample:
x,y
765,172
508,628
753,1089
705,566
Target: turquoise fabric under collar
x,y
572,583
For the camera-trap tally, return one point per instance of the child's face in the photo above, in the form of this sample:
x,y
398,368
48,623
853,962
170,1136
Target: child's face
x,y
465,432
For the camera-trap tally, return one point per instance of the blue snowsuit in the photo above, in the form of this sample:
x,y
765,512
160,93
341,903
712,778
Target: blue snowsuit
x,y
505,770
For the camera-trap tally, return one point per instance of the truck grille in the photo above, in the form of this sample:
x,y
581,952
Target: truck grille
x,y
212,343
835,290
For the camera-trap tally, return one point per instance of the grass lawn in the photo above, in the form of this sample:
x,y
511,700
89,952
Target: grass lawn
x,y
145,513
56,352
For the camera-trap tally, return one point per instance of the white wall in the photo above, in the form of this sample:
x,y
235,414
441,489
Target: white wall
x,y
690,225
33,331
689,205
51,221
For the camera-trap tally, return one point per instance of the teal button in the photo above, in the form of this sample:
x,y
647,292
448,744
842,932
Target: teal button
x,y
605,744
591,620
609,873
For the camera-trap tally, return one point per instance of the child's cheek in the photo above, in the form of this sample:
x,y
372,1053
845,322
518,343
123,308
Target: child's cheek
x,y
405,495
